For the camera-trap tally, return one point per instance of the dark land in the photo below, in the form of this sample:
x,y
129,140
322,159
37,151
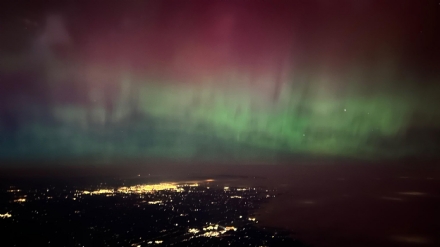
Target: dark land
x,y
91,211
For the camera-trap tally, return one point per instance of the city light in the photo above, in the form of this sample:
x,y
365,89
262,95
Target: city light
x,y
6,215
148,188
141,189
181,199
193,230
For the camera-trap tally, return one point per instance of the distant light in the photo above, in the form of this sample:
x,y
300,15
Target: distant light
x,y
229,228
12,191
148,188
345,109
6,215
193,230
211,234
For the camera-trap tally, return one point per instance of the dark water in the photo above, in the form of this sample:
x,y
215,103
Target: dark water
x,y
358,206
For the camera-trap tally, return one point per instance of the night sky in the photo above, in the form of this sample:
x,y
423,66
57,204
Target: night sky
x,y
219,80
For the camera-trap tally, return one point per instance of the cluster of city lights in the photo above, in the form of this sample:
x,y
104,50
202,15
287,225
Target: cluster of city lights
x,y
154,242
6,215
211,234
151,194
193,230
142,189
148,188
154,202
13,191
212,230
98,192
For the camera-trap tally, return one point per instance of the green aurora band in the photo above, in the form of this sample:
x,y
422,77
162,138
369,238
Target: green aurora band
x,y
204,120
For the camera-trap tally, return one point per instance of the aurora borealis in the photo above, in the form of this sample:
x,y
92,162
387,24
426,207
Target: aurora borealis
x,y
219,79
